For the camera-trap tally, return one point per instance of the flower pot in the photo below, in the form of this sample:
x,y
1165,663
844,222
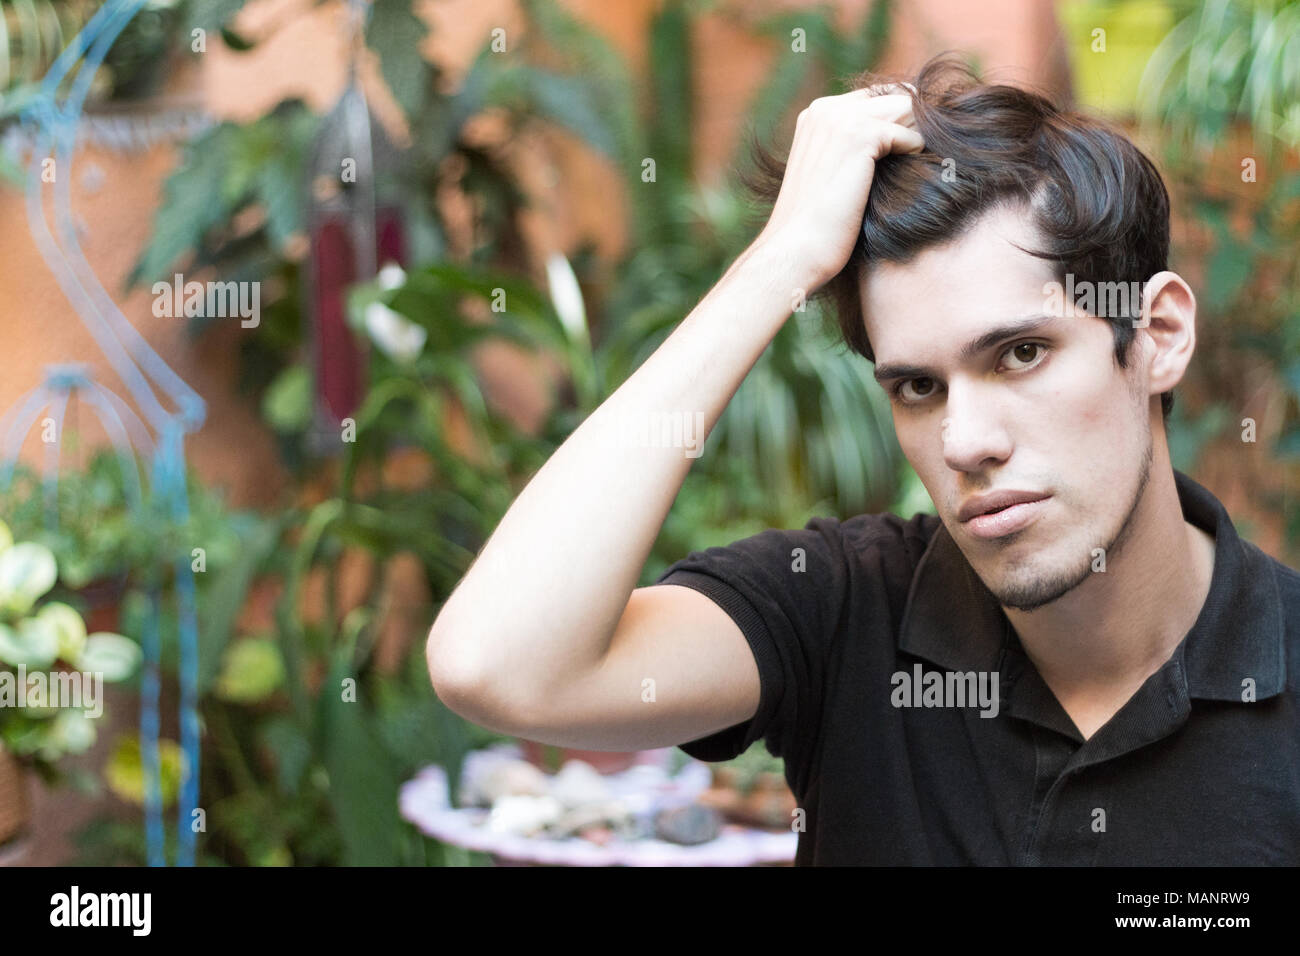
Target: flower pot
x,y
14,808
102,599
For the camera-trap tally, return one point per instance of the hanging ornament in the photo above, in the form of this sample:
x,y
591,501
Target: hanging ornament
x,y
353,232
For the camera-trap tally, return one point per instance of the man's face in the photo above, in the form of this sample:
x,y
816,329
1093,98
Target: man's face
x,y
1045,410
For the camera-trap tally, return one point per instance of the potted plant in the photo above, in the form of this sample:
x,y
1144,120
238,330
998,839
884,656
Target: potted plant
x,y
106,548
14,807
51,676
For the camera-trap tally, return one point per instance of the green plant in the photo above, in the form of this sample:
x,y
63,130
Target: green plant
x,y
746,768
1224,62
235,203
33,33
39,641
116,553
809,423
340,735
104,528
1218,98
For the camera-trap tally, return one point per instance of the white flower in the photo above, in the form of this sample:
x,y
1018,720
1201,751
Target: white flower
x,y
566,296
398,337
390,276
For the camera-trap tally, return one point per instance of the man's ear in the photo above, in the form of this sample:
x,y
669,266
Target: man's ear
x,y
1169,320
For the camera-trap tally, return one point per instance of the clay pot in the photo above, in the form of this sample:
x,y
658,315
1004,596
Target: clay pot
x,y
102,599
15,810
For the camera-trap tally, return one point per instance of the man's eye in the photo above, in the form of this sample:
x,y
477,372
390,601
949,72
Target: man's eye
x,y
1027,352
909,392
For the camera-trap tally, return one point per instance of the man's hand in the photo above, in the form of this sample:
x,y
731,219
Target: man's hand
x,y
828,176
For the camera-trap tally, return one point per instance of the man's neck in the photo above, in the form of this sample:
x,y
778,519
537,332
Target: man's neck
x,y
1096,646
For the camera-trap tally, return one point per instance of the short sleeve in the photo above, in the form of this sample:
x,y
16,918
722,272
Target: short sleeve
x,y
786,591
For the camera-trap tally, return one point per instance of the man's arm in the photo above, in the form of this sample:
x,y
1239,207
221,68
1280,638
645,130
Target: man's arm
x,y
545,636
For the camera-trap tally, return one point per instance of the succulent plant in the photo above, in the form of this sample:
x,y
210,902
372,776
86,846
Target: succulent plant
x,y
38,641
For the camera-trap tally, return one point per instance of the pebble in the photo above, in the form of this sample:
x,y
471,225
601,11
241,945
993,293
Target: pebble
x,y
688,825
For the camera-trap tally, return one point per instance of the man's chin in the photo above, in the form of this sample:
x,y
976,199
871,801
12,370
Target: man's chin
x,y
1030,589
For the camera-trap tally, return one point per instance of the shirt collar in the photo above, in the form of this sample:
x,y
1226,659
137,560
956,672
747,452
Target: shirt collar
x,y
953,620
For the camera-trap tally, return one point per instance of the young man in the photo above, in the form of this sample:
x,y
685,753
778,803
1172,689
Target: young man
x,y
1077,660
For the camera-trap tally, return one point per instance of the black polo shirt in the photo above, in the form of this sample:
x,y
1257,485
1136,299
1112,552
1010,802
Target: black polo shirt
x,y
1187,772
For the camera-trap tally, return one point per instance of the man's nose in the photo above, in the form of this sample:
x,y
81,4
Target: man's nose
x,y
974,435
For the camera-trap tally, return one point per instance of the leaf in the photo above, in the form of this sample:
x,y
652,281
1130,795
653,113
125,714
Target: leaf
x,y
292,751
114,656
396,34
124,771
221,604
291,129
672,96
71,732
31,645
286,406
363,781
69,628
191,204
569,101
588,54
278,189
27,571
252,671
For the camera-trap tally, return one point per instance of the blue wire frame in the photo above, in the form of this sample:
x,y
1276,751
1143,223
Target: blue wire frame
x,y
53,128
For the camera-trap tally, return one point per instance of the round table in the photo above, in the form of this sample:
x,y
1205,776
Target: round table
x,y
647,787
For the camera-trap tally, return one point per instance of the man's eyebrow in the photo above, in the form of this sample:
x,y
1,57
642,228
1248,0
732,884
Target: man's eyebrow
x,y
1031,323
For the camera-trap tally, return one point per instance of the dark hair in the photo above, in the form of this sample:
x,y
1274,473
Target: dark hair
x,y
1098,201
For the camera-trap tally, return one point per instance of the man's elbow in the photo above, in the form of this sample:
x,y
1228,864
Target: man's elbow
x,y
453,678
463,687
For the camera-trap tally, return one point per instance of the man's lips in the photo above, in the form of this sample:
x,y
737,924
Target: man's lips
x,y
995,501
1000,513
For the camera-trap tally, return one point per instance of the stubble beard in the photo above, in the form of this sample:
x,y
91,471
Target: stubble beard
x,y
1042,589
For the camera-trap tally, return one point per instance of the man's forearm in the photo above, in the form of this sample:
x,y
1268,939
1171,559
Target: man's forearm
x,y
545,595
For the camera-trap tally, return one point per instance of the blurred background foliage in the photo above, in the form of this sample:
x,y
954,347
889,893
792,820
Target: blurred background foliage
x,y
1220,100
34,32
292,773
